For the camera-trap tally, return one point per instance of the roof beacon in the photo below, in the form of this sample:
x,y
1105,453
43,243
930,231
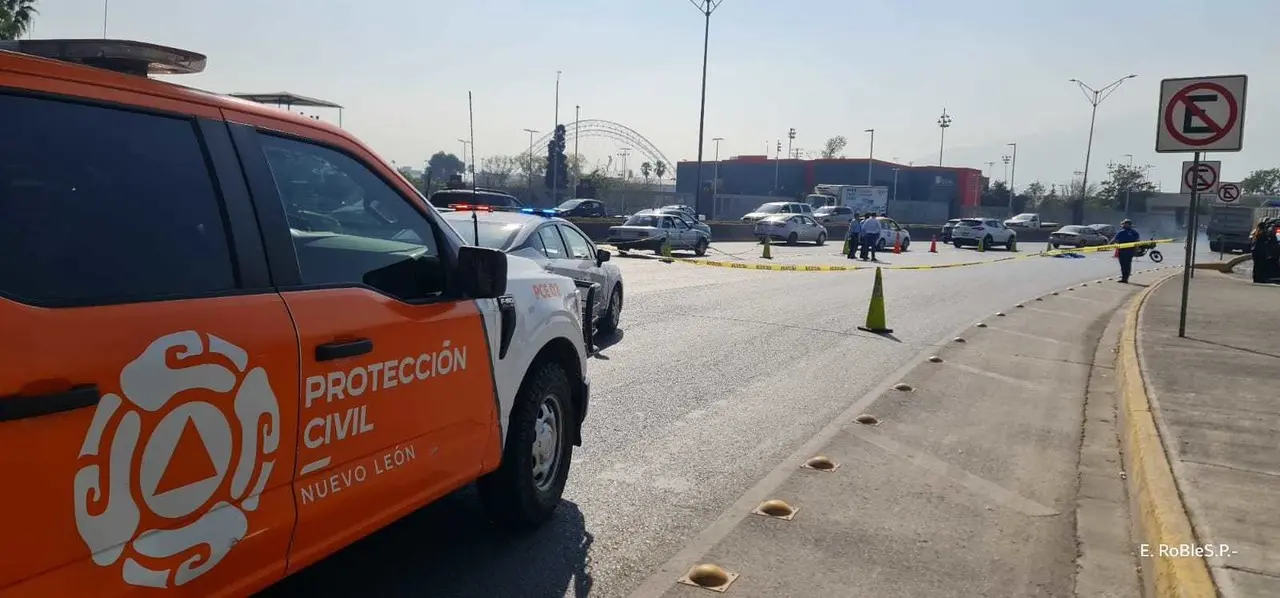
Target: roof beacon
x,y
463,207
122,56
538,212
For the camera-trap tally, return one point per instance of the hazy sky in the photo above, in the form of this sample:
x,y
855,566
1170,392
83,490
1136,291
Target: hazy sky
x,y
824,67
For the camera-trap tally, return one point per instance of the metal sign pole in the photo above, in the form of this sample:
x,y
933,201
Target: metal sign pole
x,y
1189,263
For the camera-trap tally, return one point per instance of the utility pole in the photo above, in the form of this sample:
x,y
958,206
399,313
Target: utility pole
x,y
528,166
791,136
871,154
706,7
990,166
1128,187
895,184
944,121
1095,97
1013,172
623,153
777,165
1005,158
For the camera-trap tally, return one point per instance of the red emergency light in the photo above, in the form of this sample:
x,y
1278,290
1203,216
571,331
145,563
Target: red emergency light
x,y
463,207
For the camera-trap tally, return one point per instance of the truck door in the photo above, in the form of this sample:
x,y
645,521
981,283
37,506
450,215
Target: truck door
x,y
147,411
397,395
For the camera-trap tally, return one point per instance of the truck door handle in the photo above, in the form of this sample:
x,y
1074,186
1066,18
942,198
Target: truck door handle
x,y
343,349
24,407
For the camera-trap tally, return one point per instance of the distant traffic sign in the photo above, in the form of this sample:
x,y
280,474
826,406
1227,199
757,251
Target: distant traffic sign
x,y
1202,178
1229,192
1201,114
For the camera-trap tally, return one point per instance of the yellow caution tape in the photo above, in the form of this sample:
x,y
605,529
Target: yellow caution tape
x,y
817,268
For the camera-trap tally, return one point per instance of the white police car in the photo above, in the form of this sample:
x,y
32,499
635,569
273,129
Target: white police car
x,y
553,242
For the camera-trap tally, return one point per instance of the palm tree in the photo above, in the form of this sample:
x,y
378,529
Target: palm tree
x,y
646,169
16,17
660,169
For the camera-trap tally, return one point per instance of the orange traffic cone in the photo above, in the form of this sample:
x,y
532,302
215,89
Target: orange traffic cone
x,y
933,245
897,244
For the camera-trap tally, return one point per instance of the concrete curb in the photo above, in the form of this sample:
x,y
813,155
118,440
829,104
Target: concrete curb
x,y
1160,518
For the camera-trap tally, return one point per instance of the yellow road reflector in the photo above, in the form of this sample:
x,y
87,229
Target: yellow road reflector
x,y
709,577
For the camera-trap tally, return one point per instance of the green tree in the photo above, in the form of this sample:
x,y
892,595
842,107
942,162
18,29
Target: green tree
x,y
1123,184
997,195
646,170
834,146
443,165
16,18
660,170
413,176
499,168
531,165
1262,182
557,170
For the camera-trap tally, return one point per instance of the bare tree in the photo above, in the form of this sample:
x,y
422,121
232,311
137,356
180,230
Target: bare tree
x,y
500,168
834,146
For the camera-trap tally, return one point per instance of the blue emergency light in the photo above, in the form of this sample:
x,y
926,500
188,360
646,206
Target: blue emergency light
x,y
543,212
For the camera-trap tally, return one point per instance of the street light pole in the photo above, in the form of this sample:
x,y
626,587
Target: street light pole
x,y
715,177
944,121
871,154
777,165
555,170
1095,97
895,184
991,165
706,7
791,136
528,165
623,153
1005,159
1013,172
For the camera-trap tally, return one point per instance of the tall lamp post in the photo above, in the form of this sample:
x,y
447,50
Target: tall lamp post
x,y
1005,158
871,153
991,165
895,184
1013,172
715,177
577,160
777,165
528,165
944,121
1095,97
555,170
706,7
791,136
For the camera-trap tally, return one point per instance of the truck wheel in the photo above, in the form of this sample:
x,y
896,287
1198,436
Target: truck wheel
x,y
525,490
613,314
957,244
1215,247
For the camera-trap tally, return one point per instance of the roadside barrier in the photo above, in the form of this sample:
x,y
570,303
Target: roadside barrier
x,y
740,265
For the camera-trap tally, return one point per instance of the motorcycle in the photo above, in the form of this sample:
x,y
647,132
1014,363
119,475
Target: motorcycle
x,y
1149,250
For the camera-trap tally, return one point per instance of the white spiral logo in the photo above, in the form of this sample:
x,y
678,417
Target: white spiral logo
x,y
152,415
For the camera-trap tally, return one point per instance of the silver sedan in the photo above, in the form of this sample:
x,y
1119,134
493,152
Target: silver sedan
x,y
791,228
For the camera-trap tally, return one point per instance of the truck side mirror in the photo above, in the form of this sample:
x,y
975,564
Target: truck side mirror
x,y
481,272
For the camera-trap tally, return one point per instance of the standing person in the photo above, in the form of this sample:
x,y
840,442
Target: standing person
x,y
1263,248
1126,234
854,236
870,235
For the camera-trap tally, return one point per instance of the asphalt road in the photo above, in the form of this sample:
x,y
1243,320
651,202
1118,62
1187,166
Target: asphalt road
x,y
716,376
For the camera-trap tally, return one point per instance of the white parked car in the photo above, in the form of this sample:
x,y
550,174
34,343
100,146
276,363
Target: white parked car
x,y
992,232
778,207
791,228
890,233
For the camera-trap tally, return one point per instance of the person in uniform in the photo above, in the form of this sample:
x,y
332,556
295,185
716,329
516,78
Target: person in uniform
x,y
1126,234
870,235
854,236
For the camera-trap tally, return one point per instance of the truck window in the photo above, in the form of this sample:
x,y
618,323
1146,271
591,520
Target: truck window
x,y
348,225
99,205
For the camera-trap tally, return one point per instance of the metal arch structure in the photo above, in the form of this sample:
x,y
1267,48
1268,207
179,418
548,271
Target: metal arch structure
x,y
608,129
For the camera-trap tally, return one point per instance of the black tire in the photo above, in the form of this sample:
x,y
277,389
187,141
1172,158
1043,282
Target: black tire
x,y
1012,245
957,244
512,495
986,242
1156,256
822,238
905,244
793,238
1215,247
612,314
1055,245
880,244
701,248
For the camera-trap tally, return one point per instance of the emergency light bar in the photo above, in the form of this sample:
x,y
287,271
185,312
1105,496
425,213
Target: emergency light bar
x,y
543,212
123,56
463,207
